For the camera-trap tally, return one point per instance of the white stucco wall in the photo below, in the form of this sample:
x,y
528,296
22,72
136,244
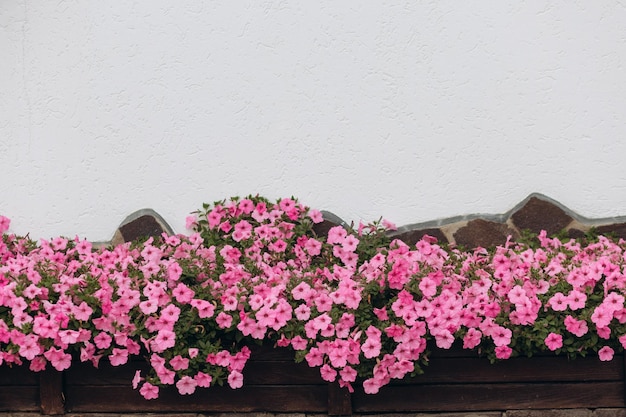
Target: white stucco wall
x,y
411,110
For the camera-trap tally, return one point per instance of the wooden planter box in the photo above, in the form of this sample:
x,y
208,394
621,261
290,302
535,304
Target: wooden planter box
x,y
454,381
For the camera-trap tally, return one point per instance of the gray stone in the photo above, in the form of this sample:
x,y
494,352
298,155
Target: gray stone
x,y
483,233
610,412
571,412
538,215
411,237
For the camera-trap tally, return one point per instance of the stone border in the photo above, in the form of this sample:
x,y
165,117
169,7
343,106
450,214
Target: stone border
x,y
535,213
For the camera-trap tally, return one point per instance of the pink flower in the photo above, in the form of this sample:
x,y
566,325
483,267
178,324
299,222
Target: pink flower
x,y
577,327
601,316
186,385
38,364
136,379
371,347
503,352
501,336
235,379
179,363
29,348
205,308
472,338
299,343
191,222
203,380
224,320
149,391
314,357
277,246
148,307
328,373
558,302
371,386
336,235
316,216
381,313
118,357
102,340
606,353
554,341
165,339
389,225
303,312
4,224
576,299
59,359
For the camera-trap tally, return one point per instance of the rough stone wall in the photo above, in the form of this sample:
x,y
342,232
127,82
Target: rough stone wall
x,y
535,213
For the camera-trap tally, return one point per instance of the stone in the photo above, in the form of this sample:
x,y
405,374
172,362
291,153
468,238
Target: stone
x,y
483,233
411,237
330,220
574,233
609,412
141,224
617,230
571,412
537,215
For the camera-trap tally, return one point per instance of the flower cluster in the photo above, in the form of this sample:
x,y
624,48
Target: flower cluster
x,y
352,303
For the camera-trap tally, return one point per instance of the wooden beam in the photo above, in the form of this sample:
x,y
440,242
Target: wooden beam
x,y
51,392
339,400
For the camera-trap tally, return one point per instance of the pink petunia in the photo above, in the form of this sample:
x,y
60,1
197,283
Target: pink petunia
x,y
576,299
299,343
501,336
149,391
205,308
4,224
371,386
224,320
472,338
203,380
316,216
577,327
136,379
165,339
558,302
503,352
186,385
118,357
328,373
179,363
554,341
235,379
606,353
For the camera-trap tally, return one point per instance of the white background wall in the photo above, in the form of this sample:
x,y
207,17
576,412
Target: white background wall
x,y
410,110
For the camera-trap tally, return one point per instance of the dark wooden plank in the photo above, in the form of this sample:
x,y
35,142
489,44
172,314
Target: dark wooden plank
x,y
255,373
477,397
339,401
302,398
439,370
271,373
19,398
624,369
268,352
51,392
105,374
540,368
17,375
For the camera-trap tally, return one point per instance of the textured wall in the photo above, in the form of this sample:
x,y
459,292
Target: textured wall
x,y
411,111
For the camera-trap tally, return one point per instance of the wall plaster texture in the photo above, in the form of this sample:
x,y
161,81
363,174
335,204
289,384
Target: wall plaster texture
x,y
411,110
